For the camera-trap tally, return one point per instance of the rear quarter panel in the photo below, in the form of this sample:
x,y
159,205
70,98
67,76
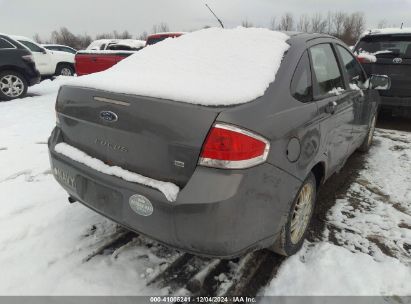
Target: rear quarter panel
x,y
282,119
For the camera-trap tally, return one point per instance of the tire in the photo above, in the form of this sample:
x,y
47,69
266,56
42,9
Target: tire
x,y
64,69
367,143
12,85
292,238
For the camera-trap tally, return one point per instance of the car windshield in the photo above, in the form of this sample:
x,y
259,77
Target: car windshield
x,y
386,46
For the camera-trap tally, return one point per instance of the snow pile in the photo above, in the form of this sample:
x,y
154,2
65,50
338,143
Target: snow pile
x,y
168,189
370,228
326,269
44,241
210,67
336,91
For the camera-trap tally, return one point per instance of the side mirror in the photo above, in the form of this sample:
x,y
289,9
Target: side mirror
x,y
44,51
380,82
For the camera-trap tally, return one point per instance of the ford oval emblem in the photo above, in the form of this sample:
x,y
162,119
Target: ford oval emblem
x,y
397,60
108,116
141,205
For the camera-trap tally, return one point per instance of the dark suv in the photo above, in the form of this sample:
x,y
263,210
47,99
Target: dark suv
x,y
392,51
17,69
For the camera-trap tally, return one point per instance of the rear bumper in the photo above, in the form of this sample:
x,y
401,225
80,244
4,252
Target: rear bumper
x,y
33,78
218,213
394,102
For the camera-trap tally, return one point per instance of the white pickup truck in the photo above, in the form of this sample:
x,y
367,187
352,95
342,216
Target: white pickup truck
x,y
49,63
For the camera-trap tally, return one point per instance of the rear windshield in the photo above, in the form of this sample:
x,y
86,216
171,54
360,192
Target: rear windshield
x,y
386,46
151,41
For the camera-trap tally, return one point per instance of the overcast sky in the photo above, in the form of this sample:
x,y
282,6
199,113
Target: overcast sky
x,y
28,17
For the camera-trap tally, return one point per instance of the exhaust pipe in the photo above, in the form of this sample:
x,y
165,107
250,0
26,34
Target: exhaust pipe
x,y
71,199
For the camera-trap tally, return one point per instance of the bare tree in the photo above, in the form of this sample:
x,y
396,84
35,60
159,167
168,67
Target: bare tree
x,y
358,20
318,23
123,35
338,23
160,28
105,36
273,24
353,27
247,23
303,24
143,36
286,22
382,24
329,23
37,38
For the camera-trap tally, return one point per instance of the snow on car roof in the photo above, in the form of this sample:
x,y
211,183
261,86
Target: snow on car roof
x,y
53,44
388,31
209,67
99,42
133,43
167,33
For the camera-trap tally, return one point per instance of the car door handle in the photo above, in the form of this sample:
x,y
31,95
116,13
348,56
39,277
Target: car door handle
x,y
331,107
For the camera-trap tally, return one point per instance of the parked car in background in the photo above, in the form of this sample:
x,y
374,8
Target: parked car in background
x,y
49,63
155,38
92,61
59,47
17,69
388,52
209,153
101,44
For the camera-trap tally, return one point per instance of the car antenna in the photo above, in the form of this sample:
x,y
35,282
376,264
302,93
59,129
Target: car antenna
x,y
218,19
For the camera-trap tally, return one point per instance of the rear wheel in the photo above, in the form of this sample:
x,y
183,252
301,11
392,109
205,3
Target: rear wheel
x,y
294,231
65,69
12,85
366,145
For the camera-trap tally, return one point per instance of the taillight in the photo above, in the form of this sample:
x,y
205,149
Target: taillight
x,y
28,58
230,147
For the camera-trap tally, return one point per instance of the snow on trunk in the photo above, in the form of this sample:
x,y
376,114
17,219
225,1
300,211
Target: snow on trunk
x,y
211,67
170,190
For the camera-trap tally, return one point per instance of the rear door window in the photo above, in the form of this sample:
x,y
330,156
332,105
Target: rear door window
x,y
326,70
4,44
356,76
386,46
33,47
301,84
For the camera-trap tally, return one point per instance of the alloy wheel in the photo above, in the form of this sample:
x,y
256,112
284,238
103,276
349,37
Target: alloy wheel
x,y
372,129
302,213
66,72
11,86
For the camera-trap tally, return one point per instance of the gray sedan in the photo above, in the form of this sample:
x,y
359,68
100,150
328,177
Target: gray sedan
x,y
249,174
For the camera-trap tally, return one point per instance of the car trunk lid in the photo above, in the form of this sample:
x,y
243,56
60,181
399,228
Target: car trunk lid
x,y
157,138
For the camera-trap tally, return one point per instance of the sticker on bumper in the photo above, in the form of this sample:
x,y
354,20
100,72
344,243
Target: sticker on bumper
x,y
141,205
64,177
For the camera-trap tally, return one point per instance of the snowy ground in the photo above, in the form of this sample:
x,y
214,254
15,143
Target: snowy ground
x,y
49,247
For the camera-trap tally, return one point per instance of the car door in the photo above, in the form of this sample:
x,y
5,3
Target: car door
x,y
355,78
41,57
335,105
